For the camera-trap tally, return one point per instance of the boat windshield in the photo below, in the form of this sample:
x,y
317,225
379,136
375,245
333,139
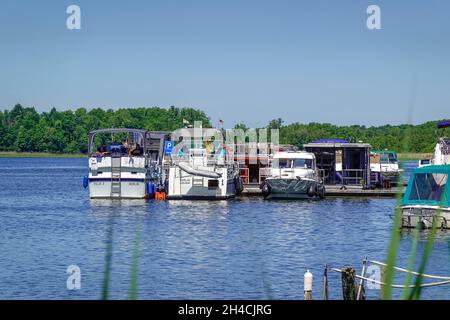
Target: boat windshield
x,y
428,186
284,163
388,158
303,163
294,163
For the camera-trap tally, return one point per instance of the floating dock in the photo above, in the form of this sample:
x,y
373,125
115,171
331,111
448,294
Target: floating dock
x,y
337,191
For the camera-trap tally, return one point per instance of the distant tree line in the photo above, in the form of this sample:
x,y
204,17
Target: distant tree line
x,y
23,129
401,138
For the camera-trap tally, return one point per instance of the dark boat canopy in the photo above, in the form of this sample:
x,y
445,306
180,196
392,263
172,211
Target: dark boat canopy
x,y
93,133
443,124
152,142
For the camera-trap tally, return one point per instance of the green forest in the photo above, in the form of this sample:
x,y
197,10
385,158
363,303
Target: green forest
x,y
23,129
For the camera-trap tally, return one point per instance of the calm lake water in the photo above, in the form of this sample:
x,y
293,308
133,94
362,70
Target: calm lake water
x,y
246,248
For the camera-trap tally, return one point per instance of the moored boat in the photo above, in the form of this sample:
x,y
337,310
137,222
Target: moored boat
x,y
124,163
293,175
201,169
385,163
427,197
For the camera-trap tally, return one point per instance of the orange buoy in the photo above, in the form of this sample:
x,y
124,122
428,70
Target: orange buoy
x,y
160,195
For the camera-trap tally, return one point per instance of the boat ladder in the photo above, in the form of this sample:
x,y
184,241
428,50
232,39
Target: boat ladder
x,y
115,177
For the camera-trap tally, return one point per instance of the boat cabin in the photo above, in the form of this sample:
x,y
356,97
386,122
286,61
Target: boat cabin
x,y
383,157
341,162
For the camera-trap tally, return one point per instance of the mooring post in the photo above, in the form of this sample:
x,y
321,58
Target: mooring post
x,y
348,283
325,283
307,284
361,293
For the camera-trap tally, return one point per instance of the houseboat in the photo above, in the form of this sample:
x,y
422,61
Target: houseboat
x,y
340,162
124,163
427,197
293,175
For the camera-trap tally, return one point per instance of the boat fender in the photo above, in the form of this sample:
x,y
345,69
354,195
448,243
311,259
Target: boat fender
x,y
321,192
150,189
85,181
311,192
265,190
238,184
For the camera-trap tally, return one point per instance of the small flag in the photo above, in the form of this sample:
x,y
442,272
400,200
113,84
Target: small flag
x,y
220,121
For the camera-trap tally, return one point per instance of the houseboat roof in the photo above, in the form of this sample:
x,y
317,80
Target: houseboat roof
x,y
330,144
426,192
330,141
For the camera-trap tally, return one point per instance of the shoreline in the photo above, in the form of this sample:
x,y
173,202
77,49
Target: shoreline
x,y
14,154
413,156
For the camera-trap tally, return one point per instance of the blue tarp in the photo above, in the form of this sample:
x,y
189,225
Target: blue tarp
x,y
330,141
443,124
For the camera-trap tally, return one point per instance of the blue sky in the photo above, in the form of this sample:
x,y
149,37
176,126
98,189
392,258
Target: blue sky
x,y
248,61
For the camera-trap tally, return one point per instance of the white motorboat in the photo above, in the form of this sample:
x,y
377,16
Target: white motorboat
x,y
293,175
427,198
124,163
441,154
385,163
201,169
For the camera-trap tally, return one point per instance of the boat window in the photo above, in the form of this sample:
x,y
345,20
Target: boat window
x,y
284,163
388,158
303,163
428,186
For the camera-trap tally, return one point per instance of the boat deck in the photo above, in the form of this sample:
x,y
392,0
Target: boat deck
x,y
337,191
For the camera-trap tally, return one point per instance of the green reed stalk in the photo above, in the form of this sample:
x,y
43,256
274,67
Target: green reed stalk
x,y
411,260
386,291
108,259
132,293
415,293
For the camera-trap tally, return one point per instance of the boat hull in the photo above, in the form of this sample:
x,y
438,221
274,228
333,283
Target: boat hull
x,y
130,189
183,185
414,216
291,188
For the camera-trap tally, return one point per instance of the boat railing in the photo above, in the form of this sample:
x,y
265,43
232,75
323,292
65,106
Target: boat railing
x,y
353,176
205,159
355,283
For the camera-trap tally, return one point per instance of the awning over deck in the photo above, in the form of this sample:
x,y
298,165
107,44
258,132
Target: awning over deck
x,y
429,185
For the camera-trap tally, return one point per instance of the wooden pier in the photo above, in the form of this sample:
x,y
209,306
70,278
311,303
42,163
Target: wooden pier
x,y
337,191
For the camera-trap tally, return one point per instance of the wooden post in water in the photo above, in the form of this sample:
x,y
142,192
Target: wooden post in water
x,y
307,284
348,283
325,283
